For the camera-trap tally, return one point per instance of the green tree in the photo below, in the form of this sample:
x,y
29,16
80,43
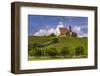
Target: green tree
x,y
52,34
74,34
65,51
35,52
30,47
52,52
30,52
79,51
55,40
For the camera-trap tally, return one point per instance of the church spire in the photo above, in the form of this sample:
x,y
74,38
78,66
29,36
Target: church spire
x,y
70,29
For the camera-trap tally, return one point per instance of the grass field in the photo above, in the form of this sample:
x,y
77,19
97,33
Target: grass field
x,y
70,42
45,59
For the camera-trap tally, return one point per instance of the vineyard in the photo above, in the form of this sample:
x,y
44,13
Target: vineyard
x,y
51,47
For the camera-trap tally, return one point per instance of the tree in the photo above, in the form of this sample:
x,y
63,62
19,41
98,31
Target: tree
x,y
52,34
55,40
74,34
65,51
35,52
30,47
79,51
51,52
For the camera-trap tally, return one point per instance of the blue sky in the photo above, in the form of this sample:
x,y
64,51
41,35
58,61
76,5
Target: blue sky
x,y
38,22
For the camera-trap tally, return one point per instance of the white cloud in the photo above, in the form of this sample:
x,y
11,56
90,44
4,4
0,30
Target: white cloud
x,y
78,30
45,32
83,35
48,30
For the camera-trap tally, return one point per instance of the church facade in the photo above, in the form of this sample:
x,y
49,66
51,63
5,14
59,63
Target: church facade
x,y
62,31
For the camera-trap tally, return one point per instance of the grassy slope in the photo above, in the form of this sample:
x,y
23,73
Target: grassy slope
x,y
70,42
32,39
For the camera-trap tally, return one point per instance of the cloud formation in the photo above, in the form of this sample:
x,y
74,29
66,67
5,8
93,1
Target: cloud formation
x,y
45,32
48,30
79,31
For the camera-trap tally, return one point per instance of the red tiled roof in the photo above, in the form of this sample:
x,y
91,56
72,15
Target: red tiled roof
x,y
63,30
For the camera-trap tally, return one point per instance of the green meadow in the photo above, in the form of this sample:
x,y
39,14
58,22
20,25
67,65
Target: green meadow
x,y
56,48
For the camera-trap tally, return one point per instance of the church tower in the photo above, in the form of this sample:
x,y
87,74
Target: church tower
x,y
70,29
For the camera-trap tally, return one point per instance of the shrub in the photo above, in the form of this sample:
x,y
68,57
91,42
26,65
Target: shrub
x,y
51,52
74,34
30,53
65,51
35,45
79,51
55,40
30,47
35,52
52,34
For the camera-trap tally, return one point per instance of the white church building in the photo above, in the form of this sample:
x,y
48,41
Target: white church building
x,y
61,30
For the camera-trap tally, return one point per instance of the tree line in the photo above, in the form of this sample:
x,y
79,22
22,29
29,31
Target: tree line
x,y
53,52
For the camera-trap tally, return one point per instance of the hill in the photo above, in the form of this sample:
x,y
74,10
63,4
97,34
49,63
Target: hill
x,y
71,43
